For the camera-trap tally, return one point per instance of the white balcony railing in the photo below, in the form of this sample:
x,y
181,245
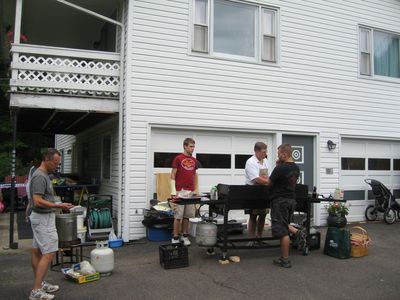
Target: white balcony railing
x,y
51,70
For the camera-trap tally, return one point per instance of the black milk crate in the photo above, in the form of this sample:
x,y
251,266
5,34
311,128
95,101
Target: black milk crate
x,y
174,256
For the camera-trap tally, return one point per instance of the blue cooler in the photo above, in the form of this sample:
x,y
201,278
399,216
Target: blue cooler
x,y
158,234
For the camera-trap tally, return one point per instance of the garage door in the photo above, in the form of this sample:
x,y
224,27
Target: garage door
x,y
362,159
222,154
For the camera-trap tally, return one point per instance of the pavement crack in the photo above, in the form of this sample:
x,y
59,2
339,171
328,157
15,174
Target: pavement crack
x,y
221,283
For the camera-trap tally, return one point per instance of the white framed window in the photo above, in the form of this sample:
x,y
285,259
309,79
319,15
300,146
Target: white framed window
x,y
235,29
365,51
379,53
268,35
200,26
106,157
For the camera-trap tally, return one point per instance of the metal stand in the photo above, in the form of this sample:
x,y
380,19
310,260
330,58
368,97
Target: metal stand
x,y
75,253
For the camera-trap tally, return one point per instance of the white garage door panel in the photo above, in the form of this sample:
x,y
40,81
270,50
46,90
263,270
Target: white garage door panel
x,y
396,151
380,150
206,181
213,144
245,144
353,180
353,149
396,182
238,179
168,142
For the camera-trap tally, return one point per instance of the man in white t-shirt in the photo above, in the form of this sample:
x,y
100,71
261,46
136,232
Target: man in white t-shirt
x,y
256,172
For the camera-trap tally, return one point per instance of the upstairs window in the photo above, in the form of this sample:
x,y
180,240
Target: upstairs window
x,y
379,53
235,30
365,51
200,26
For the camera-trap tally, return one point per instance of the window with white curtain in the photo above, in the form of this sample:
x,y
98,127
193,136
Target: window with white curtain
x,y
235,29
379,53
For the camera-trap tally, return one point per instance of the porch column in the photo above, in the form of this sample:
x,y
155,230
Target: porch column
x,y
14,114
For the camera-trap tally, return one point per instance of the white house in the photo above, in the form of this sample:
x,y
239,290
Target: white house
x,y
227,73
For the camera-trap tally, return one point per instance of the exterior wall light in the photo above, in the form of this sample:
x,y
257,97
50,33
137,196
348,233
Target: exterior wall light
x,y
331,145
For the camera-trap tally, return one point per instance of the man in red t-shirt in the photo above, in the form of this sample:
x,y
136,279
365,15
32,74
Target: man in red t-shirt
x,y
183,175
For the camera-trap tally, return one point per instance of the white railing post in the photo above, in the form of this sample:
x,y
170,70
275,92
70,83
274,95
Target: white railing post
x,y
17,36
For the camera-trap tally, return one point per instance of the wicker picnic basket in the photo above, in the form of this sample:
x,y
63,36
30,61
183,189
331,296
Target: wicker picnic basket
x,y
359,241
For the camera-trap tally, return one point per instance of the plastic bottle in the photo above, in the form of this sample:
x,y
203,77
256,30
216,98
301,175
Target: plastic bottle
x,y
314,192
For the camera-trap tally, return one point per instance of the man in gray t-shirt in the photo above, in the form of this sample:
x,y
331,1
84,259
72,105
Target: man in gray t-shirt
x,y
45,238
41,185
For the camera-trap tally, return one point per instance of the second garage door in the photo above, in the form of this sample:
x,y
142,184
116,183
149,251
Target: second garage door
x,y
361,159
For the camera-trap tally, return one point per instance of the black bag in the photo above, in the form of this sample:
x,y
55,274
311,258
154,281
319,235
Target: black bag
x,y
337,242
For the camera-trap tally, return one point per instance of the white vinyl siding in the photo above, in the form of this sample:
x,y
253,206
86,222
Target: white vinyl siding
x,y
65,143
106,157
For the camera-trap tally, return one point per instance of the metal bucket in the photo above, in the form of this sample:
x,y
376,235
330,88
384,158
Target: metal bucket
x,y
66,228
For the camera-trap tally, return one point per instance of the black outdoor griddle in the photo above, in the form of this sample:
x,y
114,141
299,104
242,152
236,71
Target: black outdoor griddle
x,y
241,197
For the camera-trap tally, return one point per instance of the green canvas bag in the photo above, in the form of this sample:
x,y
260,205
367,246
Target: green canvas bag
x,y
337,242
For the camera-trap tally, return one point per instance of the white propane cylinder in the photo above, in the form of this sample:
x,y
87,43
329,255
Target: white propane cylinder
x,y
102,258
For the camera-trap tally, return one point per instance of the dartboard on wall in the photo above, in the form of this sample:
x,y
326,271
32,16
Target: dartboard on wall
x,y
297,154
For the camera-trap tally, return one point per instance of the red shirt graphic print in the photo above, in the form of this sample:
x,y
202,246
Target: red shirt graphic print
x,y
186,167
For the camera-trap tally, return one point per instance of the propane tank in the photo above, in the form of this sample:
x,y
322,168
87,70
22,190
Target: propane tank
x,y
102,258
206,233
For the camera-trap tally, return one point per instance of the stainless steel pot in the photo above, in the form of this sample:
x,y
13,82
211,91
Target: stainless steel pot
x,y
66,227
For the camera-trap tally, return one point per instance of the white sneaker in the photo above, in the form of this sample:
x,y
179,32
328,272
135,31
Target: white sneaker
x,y
40,295
185,240
175,241
49,288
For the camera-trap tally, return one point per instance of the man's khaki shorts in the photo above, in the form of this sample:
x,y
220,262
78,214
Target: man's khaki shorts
x,y
183,211
45,235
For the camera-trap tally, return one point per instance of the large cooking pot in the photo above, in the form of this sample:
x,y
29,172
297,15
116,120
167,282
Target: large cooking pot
x,y
66,227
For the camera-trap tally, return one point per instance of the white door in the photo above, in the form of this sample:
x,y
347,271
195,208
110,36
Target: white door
x,y
361,159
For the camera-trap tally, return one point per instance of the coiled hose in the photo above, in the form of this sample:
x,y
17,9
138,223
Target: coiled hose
x,y
100,218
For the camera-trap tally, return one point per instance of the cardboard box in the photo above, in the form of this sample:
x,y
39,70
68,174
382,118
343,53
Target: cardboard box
x,y
80,279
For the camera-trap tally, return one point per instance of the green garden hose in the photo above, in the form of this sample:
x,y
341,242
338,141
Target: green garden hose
x,y
100,218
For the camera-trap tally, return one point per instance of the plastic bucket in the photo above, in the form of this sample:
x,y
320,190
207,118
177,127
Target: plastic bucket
x,y
79,221
82,234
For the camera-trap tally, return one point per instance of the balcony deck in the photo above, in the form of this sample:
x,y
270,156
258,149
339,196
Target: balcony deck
x,y
64,87
63,71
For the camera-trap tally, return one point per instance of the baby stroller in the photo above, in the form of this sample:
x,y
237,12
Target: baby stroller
x,y
384,203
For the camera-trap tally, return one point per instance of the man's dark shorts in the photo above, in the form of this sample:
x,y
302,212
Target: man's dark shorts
x,y
282,210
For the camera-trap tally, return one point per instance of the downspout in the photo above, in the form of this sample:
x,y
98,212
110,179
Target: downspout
x,y
120,110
